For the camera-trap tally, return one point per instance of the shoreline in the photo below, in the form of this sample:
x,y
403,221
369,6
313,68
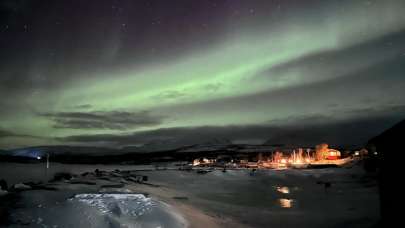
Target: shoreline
x,y
197,218
194,217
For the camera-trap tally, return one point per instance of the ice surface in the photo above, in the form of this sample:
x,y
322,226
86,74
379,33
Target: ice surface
x,y
95,210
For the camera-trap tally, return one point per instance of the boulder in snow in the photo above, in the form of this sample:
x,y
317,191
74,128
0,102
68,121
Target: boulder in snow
x,y
21,187
3,185
3,192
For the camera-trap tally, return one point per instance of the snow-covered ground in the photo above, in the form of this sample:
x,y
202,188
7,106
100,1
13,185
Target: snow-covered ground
x,y
52,209
235,198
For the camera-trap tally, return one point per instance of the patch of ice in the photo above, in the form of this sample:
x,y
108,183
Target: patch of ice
x,y
117,204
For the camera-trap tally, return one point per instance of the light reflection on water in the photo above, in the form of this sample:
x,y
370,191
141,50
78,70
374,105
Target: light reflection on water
x,y
284,190
286,203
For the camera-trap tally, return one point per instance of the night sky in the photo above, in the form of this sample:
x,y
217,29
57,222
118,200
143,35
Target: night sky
x,y
125,72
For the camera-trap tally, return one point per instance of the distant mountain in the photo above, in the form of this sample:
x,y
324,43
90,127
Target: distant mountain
x,y
171,145
40,151
202,148
154,146
350,134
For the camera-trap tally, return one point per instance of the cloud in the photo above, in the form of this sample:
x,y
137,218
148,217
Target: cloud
x,y
179,136
213,87
5,133
333,63
381,83
116,120
299,130
83,106
170,94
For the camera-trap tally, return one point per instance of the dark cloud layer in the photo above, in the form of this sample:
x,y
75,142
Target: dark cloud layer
x,y
298,130
5,133
341,62
115,120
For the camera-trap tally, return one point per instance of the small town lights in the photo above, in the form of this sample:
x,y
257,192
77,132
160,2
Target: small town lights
x,y
294,159
38,157
196,162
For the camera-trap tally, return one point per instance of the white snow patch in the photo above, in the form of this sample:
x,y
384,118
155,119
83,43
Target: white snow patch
x,y
117,204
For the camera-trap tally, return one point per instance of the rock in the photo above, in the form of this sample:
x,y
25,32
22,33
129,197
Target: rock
x,y
327,185
123,181
86,174
118,185
82,182
133,179
21,187
3,192
41,186
104,178
180,197
98,172
62,176
116,174
3,185
202,171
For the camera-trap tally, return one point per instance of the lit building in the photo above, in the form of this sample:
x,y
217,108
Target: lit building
x,y
323,152
333,154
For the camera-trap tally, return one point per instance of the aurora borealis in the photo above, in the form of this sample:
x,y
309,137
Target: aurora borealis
x,y
121,73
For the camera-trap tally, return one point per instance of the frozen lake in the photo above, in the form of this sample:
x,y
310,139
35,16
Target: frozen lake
x,y
266,198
